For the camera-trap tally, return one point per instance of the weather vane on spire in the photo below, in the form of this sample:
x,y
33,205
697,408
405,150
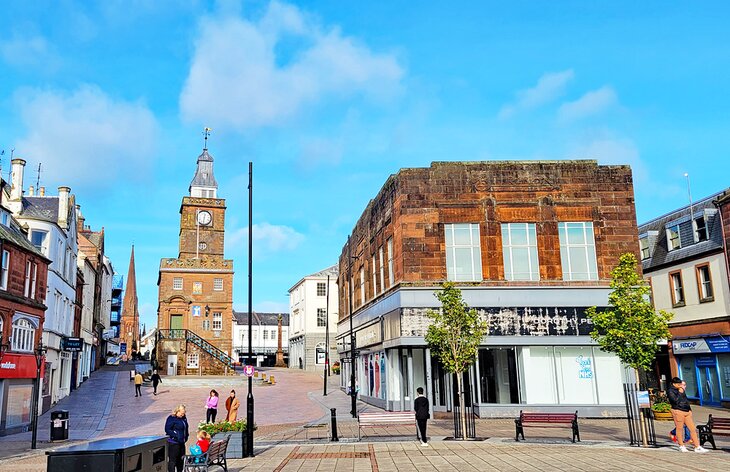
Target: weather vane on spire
x,y
206,133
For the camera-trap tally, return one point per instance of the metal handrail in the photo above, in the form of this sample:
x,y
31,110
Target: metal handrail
x,y
192,337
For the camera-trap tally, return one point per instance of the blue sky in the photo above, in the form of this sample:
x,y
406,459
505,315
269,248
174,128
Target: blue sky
x,y
328,98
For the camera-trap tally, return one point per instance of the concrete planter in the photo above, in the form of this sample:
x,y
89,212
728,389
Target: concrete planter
x,y
236,444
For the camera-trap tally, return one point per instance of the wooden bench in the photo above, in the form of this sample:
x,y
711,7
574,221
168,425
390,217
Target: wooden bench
x,y
546,420
385,418
714,427
215,456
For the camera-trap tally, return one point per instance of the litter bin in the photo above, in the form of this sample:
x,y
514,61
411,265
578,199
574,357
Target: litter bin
x,y
140,454
59,425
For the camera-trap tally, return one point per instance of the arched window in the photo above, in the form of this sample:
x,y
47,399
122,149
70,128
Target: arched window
x,y
23,338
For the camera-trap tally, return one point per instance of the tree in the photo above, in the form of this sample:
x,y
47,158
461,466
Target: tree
x,y
454,337
631,328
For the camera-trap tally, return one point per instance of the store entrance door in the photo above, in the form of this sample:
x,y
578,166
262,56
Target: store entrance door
x,y
709,384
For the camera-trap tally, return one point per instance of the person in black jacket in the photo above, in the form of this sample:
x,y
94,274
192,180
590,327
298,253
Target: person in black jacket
x,y
682,414
420,405
156,380
176,428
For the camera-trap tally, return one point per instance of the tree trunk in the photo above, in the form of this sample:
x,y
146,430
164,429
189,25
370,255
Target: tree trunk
x,y
462,404
642,420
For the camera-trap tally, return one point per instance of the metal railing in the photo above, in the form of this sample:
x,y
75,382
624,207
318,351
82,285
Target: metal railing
x,y
634,417
191,337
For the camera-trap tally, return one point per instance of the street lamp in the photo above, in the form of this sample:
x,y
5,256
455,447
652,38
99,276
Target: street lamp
x,y
40,356
249,397
353,392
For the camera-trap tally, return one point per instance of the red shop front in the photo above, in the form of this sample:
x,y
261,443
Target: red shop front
x,y
17,373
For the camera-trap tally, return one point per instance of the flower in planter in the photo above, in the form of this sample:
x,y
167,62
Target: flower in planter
x,y
223,427
661,407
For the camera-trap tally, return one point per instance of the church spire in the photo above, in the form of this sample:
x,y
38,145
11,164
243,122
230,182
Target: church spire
x,y
204,184
130,309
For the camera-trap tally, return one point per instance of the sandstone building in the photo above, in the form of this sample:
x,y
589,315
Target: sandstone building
x,y
195,304
530,244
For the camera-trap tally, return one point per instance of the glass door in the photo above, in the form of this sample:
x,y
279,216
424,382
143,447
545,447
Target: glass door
x,y
709,386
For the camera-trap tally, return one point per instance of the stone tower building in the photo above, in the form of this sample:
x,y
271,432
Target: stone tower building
x,y
195,310
129,331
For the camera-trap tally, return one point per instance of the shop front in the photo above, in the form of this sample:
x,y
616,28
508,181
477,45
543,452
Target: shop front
x,y
17,374
704,363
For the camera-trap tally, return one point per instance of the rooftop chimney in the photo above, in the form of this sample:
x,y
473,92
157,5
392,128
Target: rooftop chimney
x,y
79,219
16,179
41,191
31,191
63,206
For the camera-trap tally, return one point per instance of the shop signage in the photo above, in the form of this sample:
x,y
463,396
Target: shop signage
x,y
19,366
72,344
642,398
701,345
122,348
248,370
196,310
369,335
719,344
705,361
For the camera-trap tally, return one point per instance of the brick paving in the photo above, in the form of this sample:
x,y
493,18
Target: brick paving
x,y
105,406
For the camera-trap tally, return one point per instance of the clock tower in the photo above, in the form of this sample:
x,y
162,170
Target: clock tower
x,y
195,310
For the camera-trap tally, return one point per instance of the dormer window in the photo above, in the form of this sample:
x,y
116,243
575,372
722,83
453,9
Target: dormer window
x,y
699,225
673,240
644,246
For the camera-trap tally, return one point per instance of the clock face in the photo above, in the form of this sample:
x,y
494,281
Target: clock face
x,y
202,246
204,218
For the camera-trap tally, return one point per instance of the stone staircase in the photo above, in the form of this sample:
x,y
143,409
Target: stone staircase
x,y
190,337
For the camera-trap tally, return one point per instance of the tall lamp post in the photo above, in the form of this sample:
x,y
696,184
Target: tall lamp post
x,y
353,392
249,398
40,356
327,337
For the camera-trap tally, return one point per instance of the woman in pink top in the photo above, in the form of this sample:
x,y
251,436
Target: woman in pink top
x,y
212,405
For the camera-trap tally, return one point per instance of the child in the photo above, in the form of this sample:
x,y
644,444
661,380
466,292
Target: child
x,y
201,446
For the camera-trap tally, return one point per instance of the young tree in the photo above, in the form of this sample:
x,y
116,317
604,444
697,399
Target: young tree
x,y
630,328
454,336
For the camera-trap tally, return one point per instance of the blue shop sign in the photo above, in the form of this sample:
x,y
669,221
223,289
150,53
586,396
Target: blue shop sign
x,y
705,361
718,344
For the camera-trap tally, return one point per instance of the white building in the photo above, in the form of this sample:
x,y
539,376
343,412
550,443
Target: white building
x,y
87,318
51,222
264,336
147,342
310,313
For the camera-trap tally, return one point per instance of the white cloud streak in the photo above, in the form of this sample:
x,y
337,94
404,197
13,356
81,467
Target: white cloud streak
x,y
548,88
25,51
241,76
592,103
267,238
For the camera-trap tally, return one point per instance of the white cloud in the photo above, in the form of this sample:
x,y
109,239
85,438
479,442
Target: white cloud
x,y
247,74
86,136
23,51
592,103
616,151
549,87
266,238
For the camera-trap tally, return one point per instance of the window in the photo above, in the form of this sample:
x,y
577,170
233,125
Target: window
x,y
463,253
255,334
673,241
38,239
193,360
218,284
198,288
23,336
374,279
644,246
266,334
177,283
700,229
519,250
391,278
33,280
321,317
382,269
677,288
217,321
321,289
362,285
577,251
704,283
26,287
5,270
206,325
273,334
60,258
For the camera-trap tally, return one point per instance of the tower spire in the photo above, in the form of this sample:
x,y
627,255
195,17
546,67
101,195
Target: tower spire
x,y
130,309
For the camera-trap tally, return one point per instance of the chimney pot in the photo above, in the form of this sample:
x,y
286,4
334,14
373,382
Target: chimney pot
x,y
17,167
41,191
31,191
63,206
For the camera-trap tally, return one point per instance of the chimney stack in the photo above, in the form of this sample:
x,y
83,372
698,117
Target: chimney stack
x,y
31,191
41,191
63,206
79,219
16,179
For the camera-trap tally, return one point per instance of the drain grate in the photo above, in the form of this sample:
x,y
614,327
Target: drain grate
x,y
331,455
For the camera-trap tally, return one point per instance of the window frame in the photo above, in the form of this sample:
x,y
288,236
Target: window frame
x,y
323,287
192,356
175,280
564,242
670,239
683,301
218,284
5,270
26,283
321,316
217,318
391,276
22,335
43,246
34,281
382,269
374,277
477,273
698,272
644,246
696,229
507,251
362,285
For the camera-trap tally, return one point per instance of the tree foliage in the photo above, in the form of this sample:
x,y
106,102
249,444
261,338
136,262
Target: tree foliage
x,y
630,327
456,331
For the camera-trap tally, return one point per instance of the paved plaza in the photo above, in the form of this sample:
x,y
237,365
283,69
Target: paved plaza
x,y
105,406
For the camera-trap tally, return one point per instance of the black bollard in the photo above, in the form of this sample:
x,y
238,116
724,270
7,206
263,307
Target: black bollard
x,y
333,411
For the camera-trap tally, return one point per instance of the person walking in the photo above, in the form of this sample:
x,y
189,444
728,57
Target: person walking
x,y
212,407
682,414
420,405
138,385
156,380
232,405
176,429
